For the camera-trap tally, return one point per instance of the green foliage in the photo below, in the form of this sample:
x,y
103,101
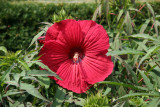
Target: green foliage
x,y
97,101
134,46
20,22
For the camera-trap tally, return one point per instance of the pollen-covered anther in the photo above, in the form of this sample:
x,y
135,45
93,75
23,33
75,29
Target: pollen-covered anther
x,y
75,57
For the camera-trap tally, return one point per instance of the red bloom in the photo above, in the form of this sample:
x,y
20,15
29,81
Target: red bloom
x,y
76,50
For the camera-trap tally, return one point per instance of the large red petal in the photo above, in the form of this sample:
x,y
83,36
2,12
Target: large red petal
x,y
67,31
97,68
73,77
96,38
53,54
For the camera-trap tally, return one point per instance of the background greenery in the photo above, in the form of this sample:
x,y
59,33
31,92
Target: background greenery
x,y
134,46
20,22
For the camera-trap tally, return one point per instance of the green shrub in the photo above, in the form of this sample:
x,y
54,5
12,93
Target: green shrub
x,y
19,22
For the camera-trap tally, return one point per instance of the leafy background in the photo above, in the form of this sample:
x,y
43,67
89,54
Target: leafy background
x,y
133,28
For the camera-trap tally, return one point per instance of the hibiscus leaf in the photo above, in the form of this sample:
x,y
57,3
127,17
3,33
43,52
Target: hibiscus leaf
x,y
128,22
32,90
152,49
123,52
147,81
45,67
44,81
144,36
59,97
12,92
35,72
124,85
138,94
144,26
36,37
7,73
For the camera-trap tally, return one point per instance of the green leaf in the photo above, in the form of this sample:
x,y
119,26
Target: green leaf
x,y
128,24
124,85
120,14
152,49
15,83
150,9
31,90
147,81
2,48
154,102
24,64
45,67
129,69
35,72
123,52
44,81
18,52
144,36
7,72
59,97
137,94
144,26
107,91
12,92
36,37
98,9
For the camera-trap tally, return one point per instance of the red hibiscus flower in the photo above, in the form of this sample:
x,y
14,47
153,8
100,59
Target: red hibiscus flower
x,y
76,51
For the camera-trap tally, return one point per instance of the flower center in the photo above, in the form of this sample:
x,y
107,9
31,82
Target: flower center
x,y
76,54
76,57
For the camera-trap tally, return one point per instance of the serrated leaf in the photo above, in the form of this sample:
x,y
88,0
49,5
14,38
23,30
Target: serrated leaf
x,y
45,67
31,90
128,24
138,94
152,49
7,73
59,97
144,36
124,85
147,81
144,26
129,69
35,72
123,52
44,81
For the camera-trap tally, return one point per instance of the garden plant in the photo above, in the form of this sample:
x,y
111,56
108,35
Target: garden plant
x,y
127,49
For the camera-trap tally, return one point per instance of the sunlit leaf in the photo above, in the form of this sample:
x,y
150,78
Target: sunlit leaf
x,y
32,90
45,67
123,52
144,26
137,94
124,85
2,48
144,36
